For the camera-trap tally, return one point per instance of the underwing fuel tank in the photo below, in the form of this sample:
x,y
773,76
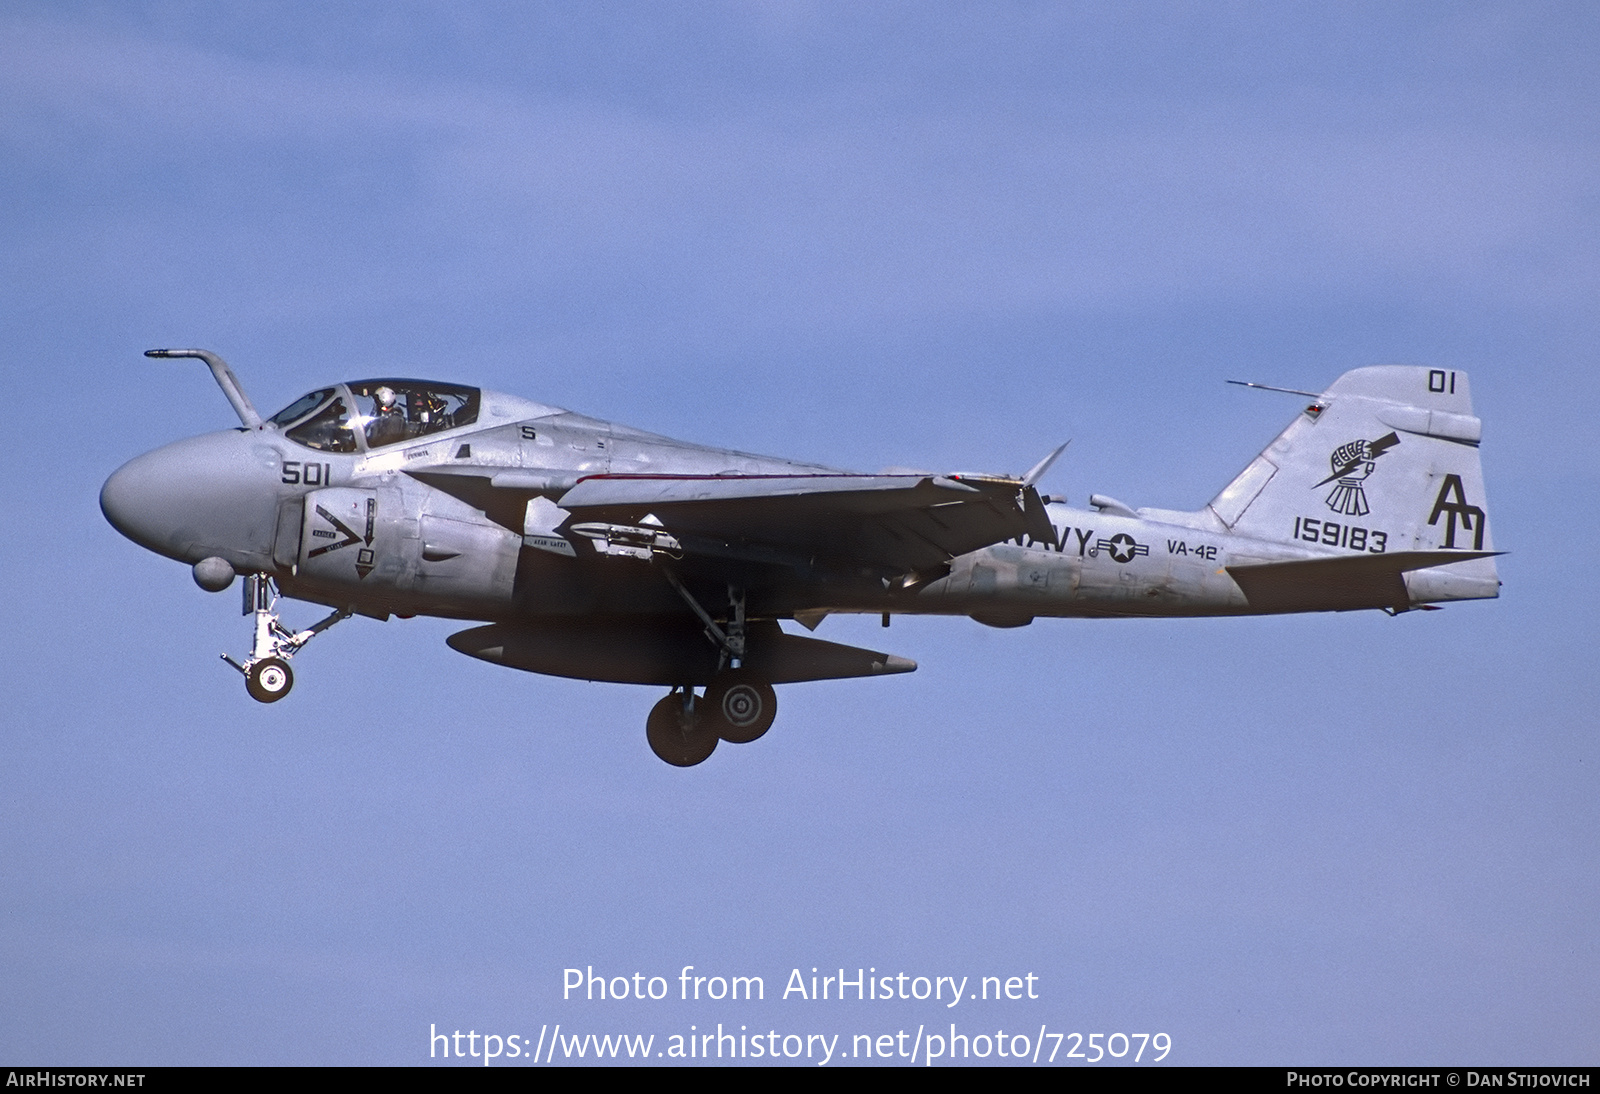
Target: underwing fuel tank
x,y
667,651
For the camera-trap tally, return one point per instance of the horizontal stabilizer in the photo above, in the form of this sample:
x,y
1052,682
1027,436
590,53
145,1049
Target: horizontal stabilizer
x,y
1342,584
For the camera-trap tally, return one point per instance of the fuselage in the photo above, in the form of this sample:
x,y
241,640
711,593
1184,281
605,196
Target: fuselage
x,y
443,520
587,549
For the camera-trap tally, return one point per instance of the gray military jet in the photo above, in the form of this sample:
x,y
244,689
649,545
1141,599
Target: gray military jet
x,y
591,550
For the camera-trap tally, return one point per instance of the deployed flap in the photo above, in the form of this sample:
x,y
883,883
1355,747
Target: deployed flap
x,y
895,522
1339,584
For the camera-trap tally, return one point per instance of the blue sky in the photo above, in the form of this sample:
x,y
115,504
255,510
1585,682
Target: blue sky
x,y
868,235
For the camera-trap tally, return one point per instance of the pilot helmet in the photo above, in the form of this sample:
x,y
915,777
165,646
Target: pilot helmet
x,y
384,397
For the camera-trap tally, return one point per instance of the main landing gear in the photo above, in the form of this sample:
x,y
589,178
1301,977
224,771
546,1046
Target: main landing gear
x,y
737,707
267,676
742,706
683,729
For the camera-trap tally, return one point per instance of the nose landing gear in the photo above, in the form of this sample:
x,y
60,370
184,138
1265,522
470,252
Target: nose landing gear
x,y
267,676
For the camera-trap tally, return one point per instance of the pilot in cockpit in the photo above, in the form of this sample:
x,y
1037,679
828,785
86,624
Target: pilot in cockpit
x,y
428,410
388,423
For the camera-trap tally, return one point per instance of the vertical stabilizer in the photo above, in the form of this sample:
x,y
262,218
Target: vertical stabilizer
x,y
1385,460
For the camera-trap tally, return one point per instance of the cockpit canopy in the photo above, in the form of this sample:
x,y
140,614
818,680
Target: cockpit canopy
x,y
374,413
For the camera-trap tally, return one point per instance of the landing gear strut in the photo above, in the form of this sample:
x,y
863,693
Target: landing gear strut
x,y
267,676
738,705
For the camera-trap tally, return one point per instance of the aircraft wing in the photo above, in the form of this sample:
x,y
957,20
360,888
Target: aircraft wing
x,y
902,523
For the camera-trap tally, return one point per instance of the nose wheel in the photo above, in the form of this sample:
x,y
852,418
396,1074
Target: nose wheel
x,y
269,680
267,676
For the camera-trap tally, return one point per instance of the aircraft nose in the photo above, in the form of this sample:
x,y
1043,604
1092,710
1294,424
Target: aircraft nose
x,y
132,496
209,495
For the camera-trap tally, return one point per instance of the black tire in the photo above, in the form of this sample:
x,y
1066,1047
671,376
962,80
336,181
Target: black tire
x,y
742,704
671,741
269,680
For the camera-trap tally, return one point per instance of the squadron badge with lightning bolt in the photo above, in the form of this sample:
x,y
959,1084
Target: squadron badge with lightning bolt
x,y
1351,464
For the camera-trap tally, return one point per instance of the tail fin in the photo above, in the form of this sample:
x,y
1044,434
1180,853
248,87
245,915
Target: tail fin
x,y
1384,461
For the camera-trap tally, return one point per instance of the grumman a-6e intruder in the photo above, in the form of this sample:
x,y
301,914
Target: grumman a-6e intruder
x,y
592,550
